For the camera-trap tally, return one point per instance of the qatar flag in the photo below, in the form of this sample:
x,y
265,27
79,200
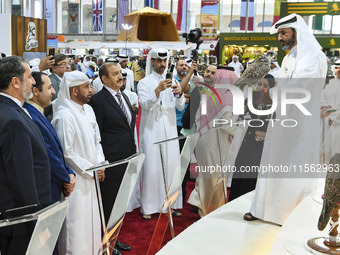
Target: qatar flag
x,y
251,13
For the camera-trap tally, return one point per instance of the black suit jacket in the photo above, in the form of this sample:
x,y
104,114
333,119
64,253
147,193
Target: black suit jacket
x,y
117,136
25,176
118,142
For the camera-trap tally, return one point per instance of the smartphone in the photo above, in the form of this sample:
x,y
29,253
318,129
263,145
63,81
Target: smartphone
x,y
330,110
64,191
51,52
168,75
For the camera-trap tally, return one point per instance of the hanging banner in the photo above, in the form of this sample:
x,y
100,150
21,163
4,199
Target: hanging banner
x,y
73,18
123,9
29,8
209,19
97,15
49,15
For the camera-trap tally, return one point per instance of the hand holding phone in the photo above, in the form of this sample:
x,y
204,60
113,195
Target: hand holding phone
x,y
329,110
51,52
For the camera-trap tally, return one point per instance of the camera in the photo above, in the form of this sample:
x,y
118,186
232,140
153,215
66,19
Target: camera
x,y
194,36
142,63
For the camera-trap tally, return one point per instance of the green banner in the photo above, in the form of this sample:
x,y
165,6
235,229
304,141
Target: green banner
x,y
310,8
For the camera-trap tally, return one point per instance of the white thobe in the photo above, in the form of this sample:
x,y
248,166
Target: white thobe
x,y
331,134
129,79
135,197
237,66
276,197
158,123
275,72
208,194
97,84
81,231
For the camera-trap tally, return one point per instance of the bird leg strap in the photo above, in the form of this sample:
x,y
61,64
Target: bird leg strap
x,y
333,225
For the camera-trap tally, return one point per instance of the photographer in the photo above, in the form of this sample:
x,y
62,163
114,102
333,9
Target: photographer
x,y
138,68
158,98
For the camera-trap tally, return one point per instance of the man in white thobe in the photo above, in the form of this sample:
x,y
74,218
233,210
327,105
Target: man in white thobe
x,y
159,98
123,60
330,125
77,129
304,67
274,69
238,67
133,98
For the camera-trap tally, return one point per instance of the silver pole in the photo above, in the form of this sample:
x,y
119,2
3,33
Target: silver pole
x,y
246,25
166,191
104,20
171,7
222,173
43,8
231,16
186,16
263,16
101,209
79,20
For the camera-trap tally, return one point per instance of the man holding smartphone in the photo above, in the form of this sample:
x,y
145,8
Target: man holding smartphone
x,y
159,98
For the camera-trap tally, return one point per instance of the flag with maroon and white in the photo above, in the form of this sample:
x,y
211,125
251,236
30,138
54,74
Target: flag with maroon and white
x,y
97,15
123,9
251,12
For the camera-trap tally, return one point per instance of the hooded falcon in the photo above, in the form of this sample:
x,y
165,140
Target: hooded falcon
x,y
256,71
332,191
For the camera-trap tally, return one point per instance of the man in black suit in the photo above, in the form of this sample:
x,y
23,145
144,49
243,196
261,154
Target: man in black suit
x,y
25,177
116,120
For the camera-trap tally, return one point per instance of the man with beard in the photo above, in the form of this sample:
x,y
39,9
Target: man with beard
x,y
208,194
305,66
188,120
182,71
62,177
159,98
77,129
25,176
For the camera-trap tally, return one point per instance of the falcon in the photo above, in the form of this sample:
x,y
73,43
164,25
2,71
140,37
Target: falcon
x,y
332,191
256,71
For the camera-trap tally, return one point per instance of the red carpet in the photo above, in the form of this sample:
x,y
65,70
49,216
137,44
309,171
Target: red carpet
x,y
137,232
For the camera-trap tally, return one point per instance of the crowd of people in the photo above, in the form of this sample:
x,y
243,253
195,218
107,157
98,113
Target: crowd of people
x,y
60,117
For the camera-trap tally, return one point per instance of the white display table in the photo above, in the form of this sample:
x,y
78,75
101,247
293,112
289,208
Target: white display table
x,y
225,232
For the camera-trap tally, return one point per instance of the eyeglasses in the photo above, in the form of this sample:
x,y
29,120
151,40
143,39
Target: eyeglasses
x,y
63,64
